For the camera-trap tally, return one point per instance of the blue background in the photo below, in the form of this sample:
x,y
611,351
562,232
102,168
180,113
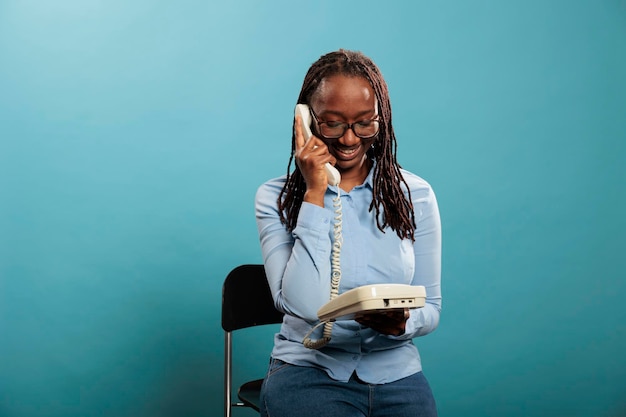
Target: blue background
x,y
134,134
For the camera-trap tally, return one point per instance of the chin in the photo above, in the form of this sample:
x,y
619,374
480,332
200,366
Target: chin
x,y
346,165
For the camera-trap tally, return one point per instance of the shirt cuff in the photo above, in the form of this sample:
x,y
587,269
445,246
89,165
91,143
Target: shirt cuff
x,y
313,217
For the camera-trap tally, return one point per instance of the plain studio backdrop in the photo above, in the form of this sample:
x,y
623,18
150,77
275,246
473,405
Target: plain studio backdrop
x,y
134,134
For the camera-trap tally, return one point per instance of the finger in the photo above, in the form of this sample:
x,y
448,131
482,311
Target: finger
x,y
316,146
401,316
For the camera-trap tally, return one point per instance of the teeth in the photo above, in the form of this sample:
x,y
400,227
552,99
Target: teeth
x,y
348,152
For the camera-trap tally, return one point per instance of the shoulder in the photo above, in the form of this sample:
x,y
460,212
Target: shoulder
x,y
418,186
272,186
268,192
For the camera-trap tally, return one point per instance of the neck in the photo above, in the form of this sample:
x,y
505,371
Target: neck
x,y
355,176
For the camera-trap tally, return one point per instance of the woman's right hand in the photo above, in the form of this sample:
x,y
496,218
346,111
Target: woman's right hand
x,y
392,322
311,155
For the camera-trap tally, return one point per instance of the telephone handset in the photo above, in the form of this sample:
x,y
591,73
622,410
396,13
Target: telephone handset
x,y
305,115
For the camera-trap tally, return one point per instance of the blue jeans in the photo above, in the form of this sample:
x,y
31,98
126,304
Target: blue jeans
x,y
290,390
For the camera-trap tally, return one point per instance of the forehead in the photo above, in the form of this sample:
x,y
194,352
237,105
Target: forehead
x,y
342,90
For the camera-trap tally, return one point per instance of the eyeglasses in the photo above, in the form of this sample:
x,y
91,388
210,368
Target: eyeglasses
x,y
364,129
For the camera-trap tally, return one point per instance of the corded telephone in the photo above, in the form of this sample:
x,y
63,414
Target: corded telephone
x,y
360,300
334,178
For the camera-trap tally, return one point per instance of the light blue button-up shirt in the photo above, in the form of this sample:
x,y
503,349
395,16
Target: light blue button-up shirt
x,y
298,267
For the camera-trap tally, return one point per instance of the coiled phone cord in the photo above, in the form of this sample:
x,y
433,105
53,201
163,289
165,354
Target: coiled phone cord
x,y
335,274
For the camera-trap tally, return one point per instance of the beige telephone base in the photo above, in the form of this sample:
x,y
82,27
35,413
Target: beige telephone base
x,y
372,298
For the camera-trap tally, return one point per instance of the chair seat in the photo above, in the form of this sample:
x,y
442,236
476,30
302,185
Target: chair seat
x,y
250,393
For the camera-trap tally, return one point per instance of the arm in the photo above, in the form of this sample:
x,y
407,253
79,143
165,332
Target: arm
x,y
297,264
427,249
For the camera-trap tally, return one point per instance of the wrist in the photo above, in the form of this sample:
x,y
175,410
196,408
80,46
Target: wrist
x,y
314,197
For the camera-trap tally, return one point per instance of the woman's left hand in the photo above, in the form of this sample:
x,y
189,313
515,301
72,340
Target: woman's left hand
x,y
392,322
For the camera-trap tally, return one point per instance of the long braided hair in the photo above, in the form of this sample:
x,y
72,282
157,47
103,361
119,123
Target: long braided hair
x,y
388,196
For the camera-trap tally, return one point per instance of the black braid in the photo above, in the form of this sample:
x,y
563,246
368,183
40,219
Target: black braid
x,y
388,196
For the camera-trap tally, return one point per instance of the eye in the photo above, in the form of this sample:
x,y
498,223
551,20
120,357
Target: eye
x,y
334,124
365,123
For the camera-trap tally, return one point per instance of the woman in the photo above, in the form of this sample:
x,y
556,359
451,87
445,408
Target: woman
x,y
390,233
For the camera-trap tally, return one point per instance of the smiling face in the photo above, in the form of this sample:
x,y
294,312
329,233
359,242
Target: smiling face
x,y
349,99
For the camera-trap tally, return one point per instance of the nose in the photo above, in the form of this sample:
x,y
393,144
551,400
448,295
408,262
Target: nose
x,y
349,138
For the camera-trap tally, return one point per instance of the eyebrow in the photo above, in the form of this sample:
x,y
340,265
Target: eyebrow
x,y
327,113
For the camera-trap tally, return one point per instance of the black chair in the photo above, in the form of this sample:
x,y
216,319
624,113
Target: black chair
x,y
246,302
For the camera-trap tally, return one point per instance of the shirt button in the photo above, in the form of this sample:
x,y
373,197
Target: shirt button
x,y
355,357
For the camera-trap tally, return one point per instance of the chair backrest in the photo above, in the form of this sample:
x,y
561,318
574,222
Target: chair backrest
x,y
246,302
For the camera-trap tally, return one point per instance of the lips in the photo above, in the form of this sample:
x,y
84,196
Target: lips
x,y
346,154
